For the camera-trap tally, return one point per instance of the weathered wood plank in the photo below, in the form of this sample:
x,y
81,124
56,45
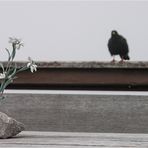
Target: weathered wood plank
x,y
76,140
79,113
84,76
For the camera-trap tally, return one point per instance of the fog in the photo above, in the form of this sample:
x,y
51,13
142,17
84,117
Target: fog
x,y
73,30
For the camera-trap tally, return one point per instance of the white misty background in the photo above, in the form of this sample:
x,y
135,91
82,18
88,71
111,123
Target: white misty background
x,y
73,30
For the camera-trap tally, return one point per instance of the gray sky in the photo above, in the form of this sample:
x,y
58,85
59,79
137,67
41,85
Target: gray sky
x,y
73,30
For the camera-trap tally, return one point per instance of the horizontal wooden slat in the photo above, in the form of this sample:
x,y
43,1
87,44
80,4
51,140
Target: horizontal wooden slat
x,y
75,140
78,112
85,76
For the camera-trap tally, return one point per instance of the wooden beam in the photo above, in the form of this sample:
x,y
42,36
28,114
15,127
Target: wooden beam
x,y
84,76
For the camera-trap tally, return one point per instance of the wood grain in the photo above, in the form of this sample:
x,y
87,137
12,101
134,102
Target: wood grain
x,y
75,140
84,76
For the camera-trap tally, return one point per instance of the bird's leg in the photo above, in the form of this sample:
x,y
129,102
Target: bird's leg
x,y
113,61
121,61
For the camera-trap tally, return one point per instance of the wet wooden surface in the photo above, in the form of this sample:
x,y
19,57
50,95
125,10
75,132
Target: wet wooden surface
x,y
31,139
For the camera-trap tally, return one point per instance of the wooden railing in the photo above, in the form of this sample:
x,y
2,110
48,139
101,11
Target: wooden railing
x,y
84,76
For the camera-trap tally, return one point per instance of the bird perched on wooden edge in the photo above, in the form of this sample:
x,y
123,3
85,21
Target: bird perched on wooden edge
x,y
117,45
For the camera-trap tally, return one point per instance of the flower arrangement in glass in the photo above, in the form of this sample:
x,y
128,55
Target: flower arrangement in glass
x,y
8,73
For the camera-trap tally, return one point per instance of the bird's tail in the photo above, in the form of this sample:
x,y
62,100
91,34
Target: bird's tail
x,y
126,57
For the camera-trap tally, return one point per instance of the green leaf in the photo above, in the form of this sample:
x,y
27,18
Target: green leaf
x,y
1,87
22,69
9,72
6,83
13,71
9,55
2,67
13,54
13,51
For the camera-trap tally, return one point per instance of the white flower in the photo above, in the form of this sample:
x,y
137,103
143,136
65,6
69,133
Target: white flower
x,y
14,40
32,65
2,75
17,42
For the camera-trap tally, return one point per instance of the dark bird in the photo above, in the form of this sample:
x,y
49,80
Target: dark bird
x,y
117,45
